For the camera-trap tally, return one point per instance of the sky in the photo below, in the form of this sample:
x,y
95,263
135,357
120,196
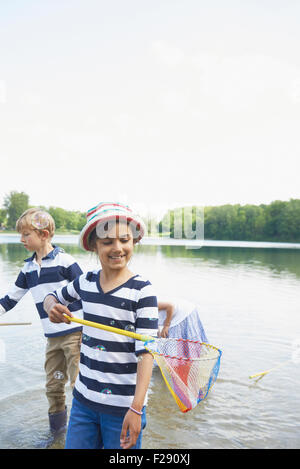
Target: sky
x,y
156,104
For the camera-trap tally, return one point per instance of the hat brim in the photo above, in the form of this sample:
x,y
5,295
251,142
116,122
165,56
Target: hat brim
x,y
92,224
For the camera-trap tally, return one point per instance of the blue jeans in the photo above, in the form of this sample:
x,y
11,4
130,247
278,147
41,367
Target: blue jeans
x,y
89,429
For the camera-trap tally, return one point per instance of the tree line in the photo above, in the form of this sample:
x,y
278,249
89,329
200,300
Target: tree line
x,y
277,221
15,203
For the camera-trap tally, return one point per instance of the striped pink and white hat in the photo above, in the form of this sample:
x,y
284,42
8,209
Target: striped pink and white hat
x,y
106,211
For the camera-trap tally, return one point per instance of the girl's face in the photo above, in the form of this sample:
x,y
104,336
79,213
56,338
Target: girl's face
x,y
116,248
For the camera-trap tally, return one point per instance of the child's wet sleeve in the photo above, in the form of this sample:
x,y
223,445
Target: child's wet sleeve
x,y
15,294
147,316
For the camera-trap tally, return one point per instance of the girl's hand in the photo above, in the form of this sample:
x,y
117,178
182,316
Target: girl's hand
x,y
164,332
56,314
131,428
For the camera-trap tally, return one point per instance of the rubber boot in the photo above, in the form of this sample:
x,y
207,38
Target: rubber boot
x,y
58,422
58,425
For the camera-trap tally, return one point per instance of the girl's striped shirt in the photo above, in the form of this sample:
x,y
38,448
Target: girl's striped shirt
x,y
108,361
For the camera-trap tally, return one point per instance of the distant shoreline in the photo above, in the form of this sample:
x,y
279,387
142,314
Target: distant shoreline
x,y
71,238
67,233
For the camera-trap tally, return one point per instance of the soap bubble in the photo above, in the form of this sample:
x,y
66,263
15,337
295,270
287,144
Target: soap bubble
x,y
130,328
99,347
106,391
40,220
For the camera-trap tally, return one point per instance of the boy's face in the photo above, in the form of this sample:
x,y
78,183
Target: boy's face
x,y
31,239
116,248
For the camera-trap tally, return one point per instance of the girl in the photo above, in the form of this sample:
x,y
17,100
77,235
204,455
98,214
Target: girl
x,y
110,393
180,319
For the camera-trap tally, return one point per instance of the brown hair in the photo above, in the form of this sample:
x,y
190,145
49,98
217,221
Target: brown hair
x,y
36,219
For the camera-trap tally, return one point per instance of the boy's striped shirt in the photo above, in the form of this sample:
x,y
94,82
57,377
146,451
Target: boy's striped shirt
x,y
108,361
57,269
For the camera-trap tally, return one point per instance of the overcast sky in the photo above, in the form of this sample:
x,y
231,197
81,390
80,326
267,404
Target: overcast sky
x,y
155,103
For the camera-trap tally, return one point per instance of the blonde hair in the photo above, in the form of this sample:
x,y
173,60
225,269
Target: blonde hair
x,y
36,219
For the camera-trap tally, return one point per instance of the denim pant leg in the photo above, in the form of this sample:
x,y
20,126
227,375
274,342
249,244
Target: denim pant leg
x,y
111,427
93,430
83,429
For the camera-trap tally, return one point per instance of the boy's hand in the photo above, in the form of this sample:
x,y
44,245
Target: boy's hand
x,y
56,314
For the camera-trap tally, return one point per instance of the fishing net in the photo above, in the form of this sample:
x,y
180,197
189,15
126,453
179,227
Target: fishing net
x,y
189,368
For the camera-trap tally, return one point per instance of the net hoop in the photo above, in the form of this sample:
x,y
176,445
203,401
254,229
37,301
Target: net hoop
x,y
190,382
188,367
205,344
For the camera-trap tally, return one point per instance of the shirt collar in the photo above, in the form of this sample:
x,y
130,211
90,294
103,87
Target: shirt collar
x,y
51,255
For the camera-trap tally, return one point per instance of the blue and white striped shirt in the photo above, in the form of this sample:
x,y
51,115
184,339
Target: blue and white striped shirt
x,y
57,269
108,361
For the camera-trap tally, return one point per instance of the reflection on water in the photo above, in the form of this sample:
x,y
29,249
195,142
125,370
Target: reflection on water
x,y
276,260
249,301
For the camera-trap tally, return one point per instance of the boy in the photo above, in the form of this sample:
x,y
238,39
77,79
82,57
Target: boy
x,y
48,268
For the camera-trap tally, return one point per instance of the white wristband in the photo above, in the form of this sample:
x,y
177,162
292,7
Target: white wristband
x,y
135,411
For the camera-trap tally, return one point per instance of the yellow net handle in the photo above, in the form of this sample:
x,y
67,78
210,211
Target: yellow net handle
x,y
134,335
263,373
15,323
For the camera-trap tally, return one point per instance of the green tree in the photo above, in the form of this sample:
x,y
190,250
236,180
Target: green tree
x,y
3,216
289,222
74,220
59,217
274,220
277,221
15,203
67,220
81,221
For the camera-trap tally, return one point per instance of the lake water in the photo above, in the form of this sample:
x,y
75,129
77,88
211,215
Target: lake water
x,y
249,298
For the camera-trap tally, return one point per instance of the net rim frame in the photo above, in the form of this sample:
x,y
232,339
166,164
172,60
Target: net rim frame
x,y
185,358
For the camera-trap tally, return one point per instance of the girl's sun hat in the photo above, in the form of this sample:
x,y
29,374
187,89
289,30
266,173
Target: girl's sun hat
x,y
110,212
